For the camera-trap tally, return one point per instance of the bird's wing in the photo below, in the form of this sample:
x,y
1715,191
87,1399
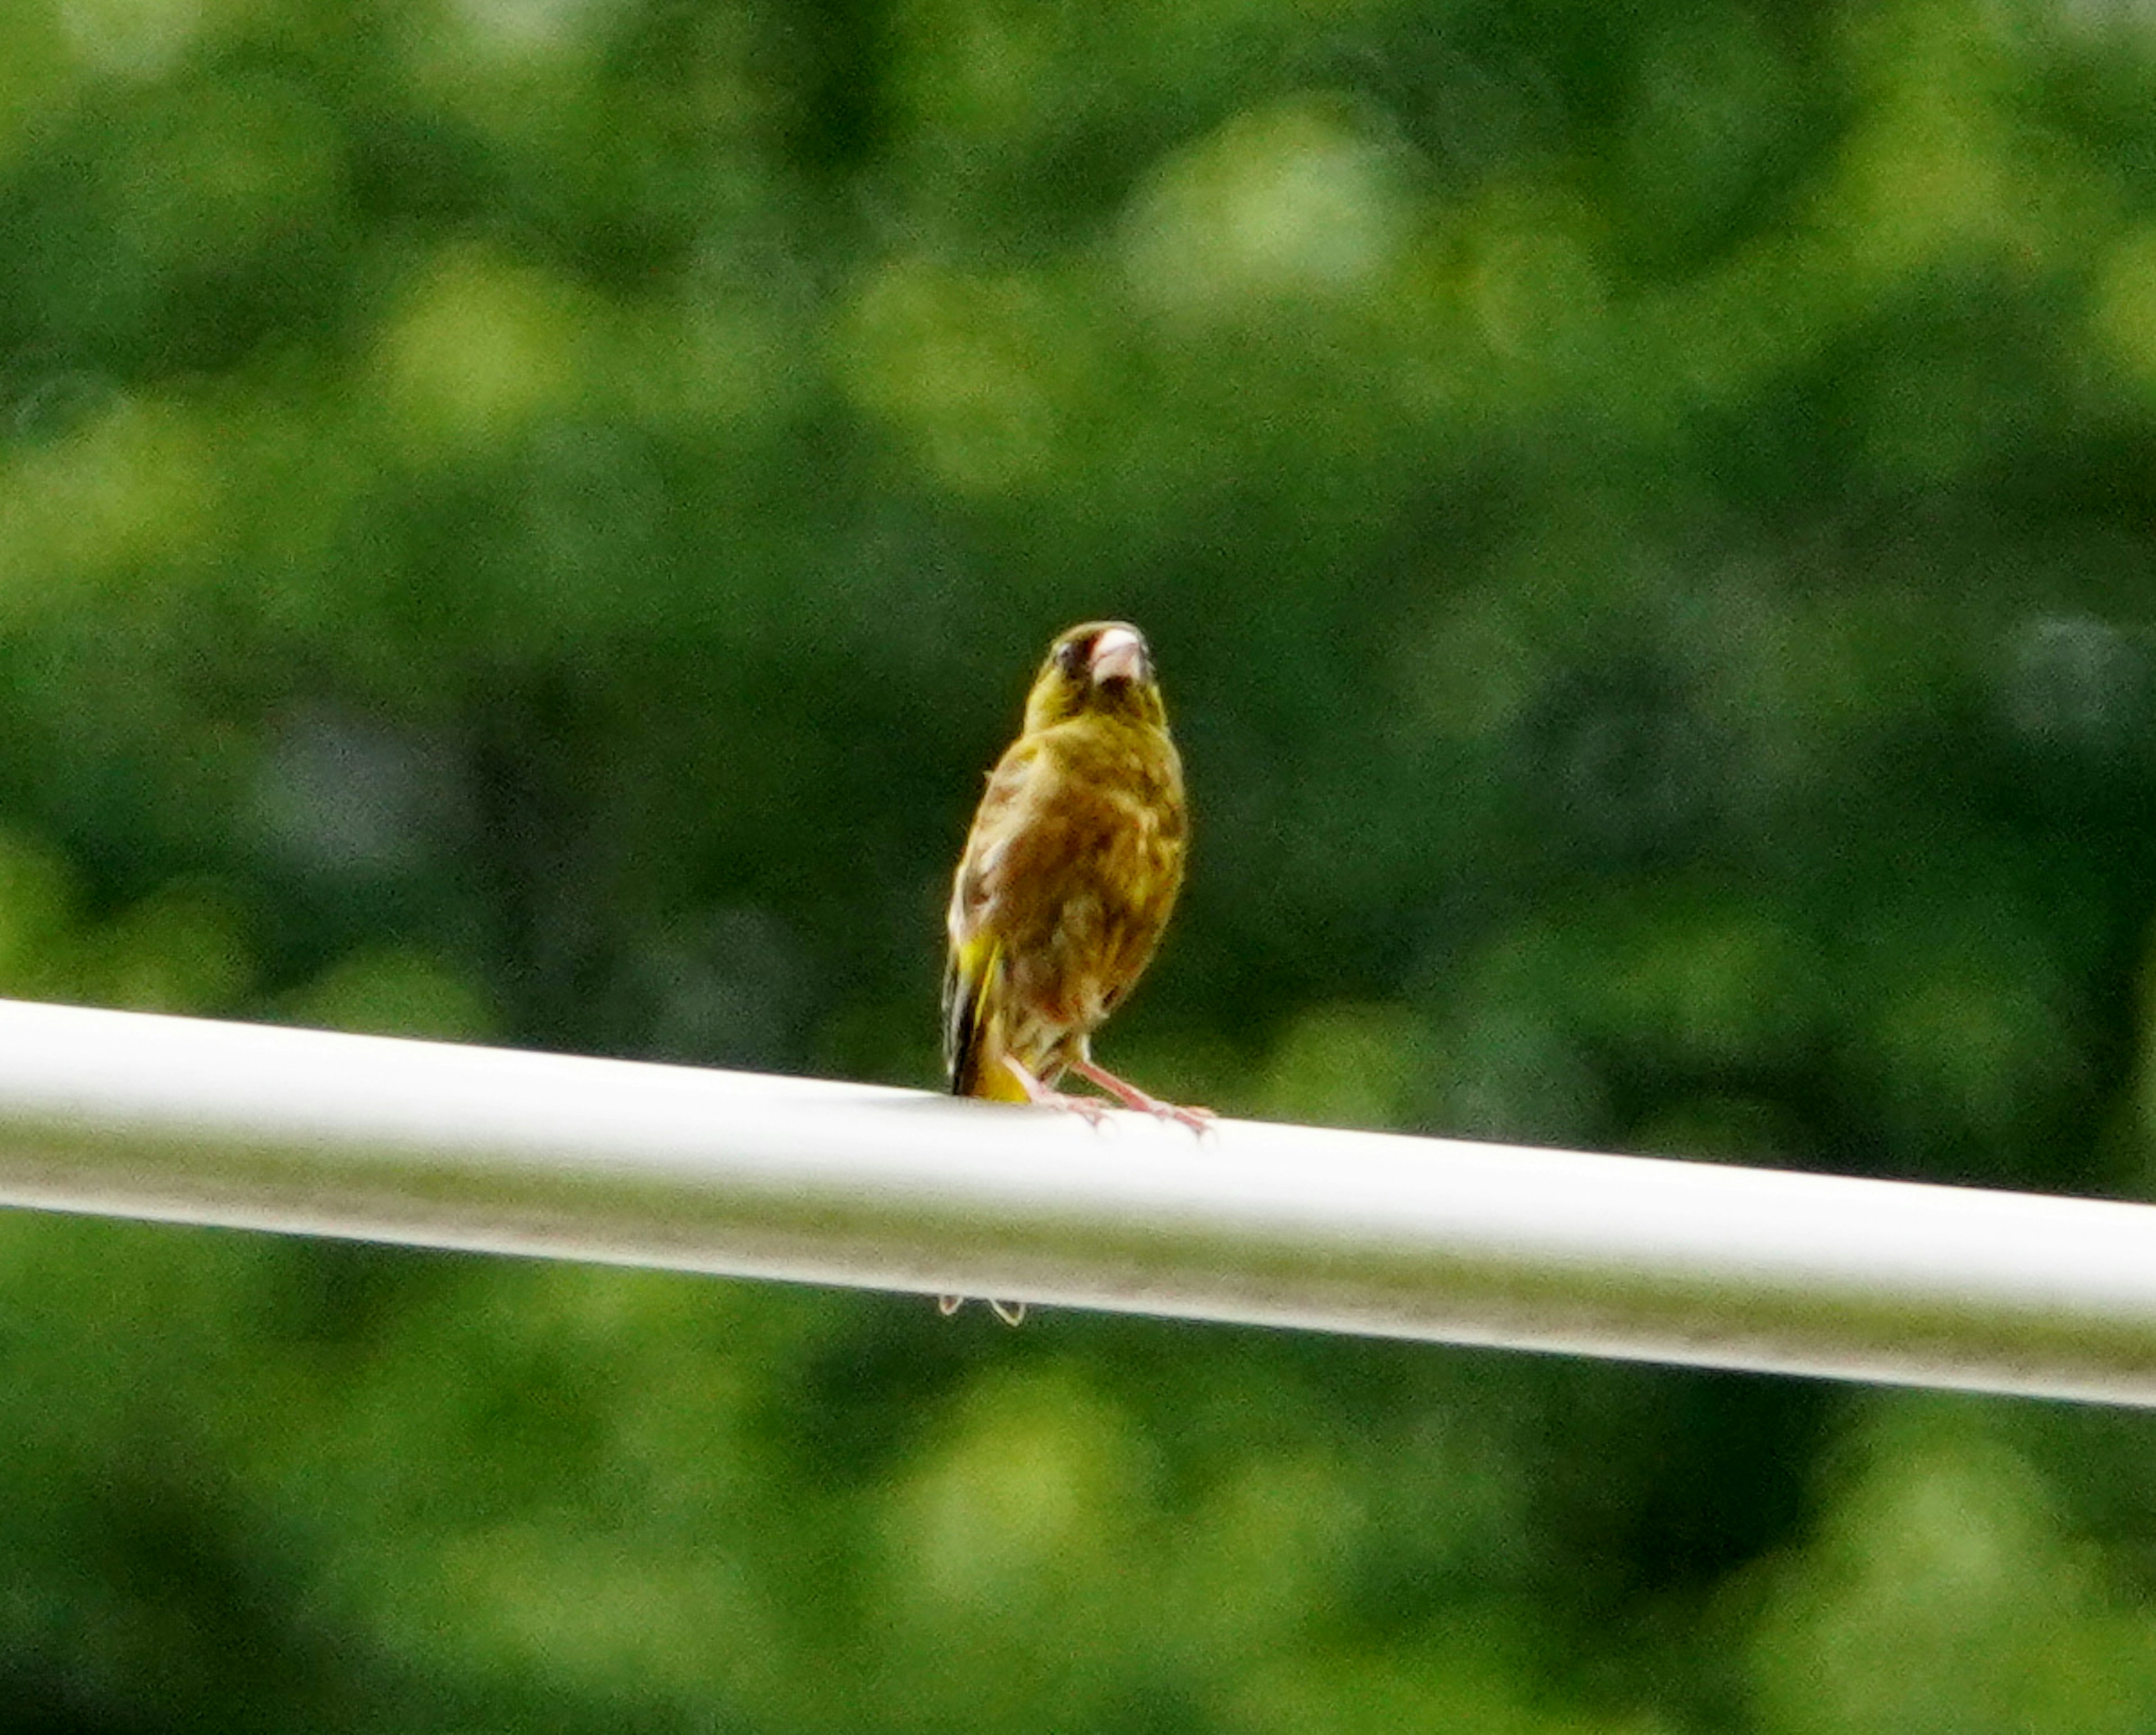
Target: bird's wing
x,y
975,960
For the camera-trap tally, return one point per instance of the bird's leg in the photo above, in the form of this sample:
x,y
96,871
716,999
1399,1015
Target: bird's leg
x,y
947,1305
1050,1097
1131,1096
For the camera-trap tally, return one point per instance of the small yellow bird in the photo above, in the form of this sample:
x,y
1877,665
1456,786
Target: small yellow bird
x,y
1068,878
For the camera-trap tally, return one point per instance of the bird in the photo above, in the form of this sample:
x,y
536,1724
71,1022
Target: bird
x,y
1067,880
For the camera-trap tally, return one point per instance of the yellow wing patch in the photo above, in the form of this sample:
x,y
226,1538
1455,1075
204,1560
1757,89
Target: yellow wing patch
x,y
972,1043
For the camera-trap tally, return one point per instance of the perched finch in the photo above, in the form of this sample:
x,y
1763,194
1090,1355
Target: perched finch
x,y
1069,874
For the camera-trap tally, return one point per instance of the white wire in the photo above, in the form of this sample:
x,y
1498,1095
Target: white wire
x,y
183,1120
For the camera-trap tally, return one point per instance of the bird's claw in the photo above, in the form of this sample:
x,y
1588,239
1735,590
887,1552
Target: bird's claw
x,y
1199,1120
1047,1096
1096,1111
1090,1109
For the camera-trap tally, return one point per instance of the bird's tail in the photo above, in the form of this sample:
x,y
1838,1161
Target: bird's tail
x,y
995,1082
973,1044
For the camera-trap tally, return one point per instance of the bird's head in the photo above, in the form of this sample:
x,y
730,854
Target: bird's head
x,y
1101,668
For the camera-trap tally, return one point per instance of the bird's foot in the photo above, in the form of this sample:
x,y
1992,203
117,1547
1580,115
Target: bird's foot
x,y
1199,1120
1047,1096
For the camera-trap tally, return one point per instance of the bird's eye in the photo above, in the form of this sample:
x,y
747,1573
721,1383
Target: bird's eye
x,y
1070,657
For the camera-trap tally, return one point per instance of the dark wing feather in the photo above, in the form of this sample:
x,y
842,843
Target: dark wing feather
x,y
974,970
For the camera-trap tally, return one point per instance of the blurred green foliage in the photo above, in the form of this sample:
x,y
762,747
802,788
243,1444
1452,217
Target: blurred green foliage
x,y
524,519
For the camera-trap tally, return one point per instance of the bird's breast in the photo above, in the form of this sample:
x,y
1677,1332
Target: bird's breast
x,y
1104,851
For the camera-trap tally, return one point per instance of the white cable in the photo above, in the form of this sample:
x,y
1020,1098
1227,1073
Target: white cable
x,y
434,1145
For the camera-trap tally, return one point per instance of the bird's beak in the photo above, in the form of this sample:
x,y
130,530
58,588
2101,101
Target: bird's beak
x,y
1118,655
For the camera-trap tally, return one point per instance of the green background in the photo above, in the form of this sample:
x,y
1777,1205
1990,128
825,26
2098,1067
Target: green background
x,y
526,520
